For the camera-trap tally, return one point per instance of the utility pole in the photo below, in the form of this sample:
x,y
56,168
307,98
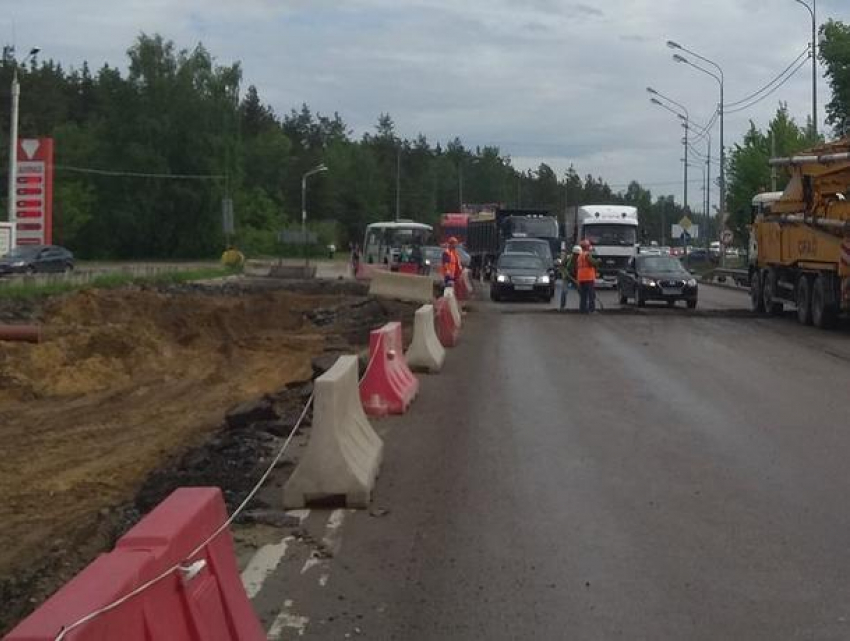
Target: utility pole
x,y
397,182
772,167
685,125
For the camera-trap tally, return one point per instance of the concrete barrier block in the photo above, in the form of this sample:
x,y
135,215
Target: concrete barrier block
x,y
454,305
408,287
425,353
344,452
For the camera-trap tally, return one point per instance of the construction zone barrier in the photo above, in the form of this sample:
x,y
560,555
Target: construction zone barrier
x,y
407,287
447,331
388,384
344,453
202,599
454,305
425,353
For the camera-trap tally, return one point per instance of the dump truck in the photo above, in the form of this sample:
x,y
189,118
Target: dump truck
x,y
488,231
800,240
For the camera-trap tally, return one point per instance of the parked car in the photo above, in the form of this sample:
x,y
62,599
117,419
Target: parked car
x,y
31,259
519,274
536,246
660,278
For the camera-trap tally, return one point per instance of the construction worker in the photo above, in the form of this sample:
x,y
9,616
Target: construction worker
x,y
586,277
452,267
569,267
232,258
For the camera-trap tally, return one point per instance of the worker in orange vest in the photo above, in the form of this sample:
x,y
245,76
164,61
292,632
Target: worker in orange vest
x,y
586,277
452,267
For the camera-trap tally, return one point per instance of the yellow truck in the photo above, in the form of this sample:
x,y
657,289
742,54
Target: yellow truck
x,y
800,239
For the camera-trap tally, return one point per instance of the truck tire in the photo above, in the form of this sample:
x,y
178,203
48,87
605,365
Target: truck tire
x,y
824,315
804,300
772,305
756,300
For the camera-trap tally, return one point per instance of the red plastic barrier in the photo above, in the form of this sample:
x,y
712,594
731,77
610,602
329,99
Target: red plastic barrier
x,y
209,604
388,385
447,331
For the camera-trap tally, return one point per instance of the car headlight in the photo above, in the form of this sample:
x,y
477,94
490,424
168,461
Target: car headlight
x,y
544,279
19,263
501,278
692,282
647,282
427,262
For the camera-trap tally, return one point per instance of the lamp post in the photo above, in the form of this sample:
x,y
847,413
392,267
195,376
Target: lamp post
x,y
315,170
686,121
720,81
812,9
13,133
704,132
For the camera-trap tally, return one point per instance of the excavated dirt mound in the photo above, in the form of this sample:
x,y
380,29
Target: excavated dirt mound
x,y
126,383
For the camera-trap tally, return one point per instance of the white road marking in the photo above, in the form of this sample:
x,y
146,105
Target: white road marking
x,y
266,559
285,621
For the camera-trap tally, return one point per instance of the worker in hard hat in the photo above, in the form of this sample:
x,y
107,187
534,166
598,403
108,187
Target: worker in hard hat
x,y
569,266
586,264
232,258
452,267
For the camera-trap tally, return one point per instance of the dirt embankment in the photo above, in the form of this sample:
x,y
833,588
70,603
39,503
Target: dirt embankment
x,y
125,384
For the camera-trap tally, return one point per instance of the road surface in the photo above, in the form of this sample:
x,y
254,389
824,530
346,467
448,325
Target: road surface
x,y
651,475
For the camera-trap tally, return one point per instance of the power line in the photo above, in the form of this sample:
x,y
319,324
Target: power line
x,y
134,174
735,103
769,93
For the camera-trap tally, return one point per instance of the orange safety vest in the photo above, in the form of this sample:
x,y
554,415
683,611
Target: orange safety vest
x,y
586,271
451,267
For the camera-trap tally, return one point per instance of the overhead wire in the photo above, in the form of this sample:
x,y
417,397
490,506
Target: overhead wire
x,y
735,103
771,92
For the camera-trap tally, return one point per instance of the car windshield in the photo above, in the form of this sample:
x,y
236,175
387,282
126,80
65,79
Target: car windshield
x,y
23,252
519,261
610,235
541,249
544,227
659,264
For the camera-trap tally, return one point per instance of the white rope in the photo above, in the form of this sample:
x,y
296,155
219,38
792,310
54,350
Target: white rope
x,y
191,569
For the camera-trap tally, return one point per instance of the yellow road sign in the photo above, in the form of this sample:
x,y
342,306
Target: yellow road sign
x,y
685,223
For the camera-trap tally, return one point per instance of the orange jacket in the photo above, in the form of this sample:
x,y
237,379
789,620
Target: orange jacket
x,y
451,264
586,272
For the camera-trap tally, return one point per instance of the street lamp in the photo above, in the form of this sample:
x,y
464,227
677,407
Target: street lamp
x,y
686,120
315,170
812,9
13,133
720,81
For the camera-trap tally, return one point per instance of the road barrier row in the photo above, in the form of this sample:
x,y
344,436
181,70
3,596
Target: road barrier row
x,y
156,585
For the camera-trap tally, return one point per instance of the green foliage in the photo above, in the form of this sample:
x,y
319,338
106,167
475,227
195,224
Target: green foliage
x,y
835,56
178,112
749,174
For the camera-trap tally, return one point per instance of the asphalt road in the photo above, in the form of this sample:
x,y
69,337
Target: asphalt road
x,y
651,474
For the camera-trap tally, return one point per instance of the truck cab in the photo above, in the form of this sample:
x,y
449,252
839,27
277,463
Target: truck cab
x,y
613,232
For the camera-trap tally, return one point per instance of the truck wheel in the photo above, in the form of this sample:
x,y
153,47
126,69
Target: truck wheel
x,y
823,314
756,300
772,305
804,300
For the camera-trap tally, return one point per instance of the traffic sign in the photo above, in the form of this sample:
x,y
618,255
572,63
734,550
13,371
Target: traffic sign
x,y
686,223
676,231
727,237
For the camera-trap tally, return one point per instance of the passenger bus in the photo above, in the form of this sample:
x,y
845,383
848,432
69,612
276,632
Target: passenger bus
x,y
384,243
454,225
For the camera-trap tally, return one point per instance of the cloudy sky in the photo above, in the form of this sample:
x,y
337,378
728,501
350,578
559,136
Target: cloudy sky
x,y
550,81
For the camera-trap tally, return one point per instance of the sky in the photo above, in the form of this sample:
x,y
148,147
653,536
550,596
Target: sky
x,y
551,81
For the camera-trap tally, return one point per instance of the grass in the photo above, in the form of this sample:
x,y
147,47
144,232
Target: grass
x,y
112,281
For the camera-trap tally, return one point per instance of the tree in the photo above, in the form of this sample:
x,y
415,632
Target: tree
x,y
835,55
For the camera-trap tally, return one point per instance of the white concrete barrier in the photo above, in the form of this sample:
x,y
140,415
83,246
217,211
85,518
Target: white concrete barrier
x,y
425,353
344,453
409,287
454,305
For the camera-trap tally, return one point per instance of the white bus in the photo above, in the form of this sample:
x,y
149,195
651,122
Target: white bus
x,y
383,242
